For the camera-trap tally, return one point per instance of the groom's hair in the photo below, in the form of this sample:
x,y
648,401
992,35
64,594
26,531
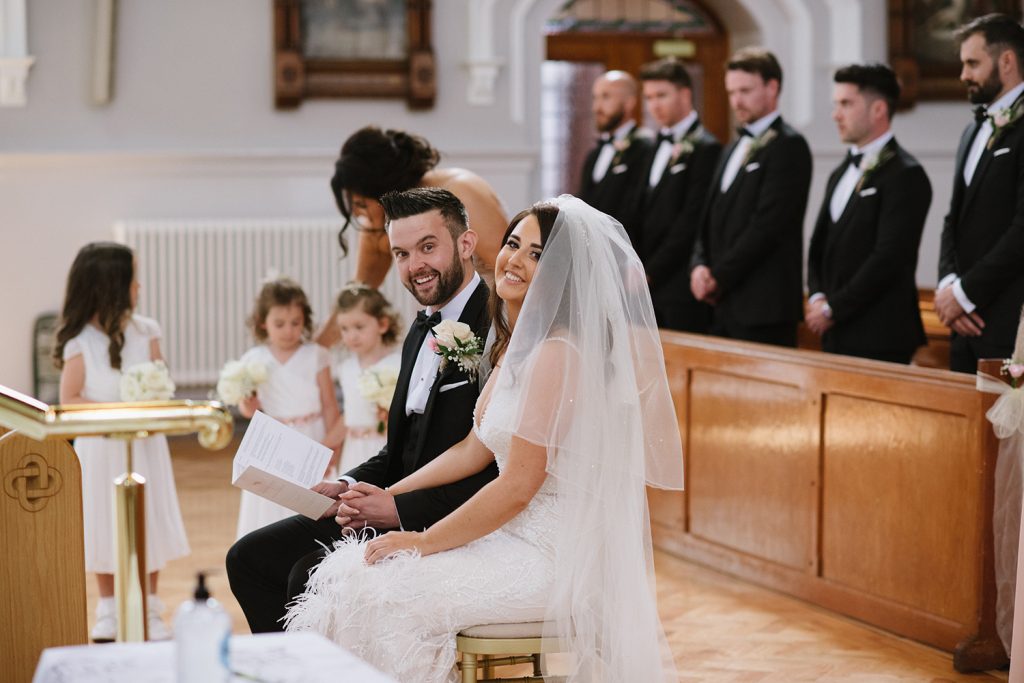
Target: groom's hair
x,y
759,61
423,200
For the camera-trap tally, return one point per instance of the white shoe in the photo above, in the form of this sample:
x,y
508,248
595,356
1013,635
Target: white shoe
x,y
154,623
105,629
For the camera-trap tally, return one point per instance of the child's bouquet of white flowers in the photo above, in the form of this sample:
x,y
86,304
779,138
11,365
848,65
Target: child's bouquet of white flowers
x,y
239,380
377,385
146,382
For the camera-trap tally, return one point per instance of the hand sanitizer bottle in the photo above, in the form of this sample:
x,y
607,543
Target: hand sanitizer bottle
x,y
201,632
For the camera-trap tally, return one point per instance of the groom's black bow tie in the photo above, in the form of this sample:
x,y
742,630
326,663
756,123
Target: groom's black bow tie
x,y
603,139
854,159
665,137
980,112
425,322
744,132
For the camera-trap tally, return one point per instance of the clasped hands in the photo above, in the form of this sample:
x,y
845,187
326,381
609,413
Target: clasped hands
x,y
364,505
815,318
953,315
703,285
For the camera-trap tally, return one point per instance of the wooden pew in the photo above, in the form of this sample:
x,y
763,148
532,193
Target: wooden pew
x,y
860,486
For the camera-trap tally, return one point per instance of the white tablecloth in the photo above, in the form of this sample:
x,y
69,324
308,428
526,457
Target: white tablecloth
x,y
271,658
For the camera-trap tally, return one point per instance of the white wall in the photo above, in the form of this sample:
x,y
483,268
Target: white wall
x,y
192,131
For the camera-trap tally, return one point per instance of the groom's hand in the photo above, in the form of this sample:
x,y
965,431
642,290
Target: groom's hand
x,y
367,505
331,489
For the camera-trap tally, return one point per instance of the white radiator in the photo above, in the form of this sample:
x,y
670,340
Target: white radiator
x,y
200,279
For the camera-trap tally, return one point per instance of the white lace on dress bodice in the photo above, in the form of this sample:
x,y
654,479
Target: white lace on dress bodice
x,y
537,521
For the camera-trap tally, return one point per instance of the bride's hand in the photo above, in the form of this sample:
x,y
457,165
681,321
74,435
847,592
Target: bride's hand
x,y
393,542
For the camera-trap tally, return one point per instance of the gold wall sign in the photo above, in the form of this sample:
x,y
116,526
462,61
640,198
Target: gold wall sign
x,y
32,482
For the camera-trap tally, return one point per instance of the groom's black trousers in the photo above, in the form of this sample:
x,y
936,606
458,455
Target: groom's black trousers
x,y
268,568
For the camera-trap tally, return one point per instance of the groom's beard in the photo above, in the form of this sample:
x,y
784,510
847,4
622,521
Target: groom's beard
x,y
448,282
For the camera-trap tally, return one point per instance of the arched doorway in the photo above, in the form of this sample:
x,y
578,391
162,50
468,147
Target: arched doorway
x,y
584,38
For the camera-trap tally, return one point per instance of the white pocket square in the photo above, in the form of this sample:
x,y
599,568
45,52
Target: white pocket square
x,y
621,168
868,191
454,385
753,166
677,168
1000,152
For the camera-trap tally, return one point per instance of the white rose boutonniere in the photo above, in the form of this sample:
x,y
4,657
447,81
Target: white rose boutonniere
x,y
147,382
1003,120
456,343
240,380
759,143
870,165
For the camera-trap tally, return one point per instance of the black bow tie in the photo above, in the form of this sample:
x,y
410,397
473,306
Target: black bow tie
x,y
854,159
665,137
744,132
603,140
980,112
425,322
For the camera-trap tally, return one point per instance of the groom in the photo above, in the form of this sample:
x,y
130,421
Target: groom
x,y
432,410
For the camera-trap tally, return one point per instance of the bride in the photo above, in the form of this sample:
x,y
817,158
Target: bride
x,y
578,416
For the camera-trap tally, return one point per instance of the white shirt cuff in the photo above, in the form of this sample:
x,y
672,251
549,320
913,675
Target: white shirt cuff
x,y
351,482
961,298
817,296
947,281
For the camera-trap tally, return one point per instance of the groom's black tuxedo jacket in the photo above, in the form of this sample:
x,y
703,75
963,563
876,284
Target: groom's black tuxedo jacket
x,y
865,261
983,234
447,419
751,235
670,215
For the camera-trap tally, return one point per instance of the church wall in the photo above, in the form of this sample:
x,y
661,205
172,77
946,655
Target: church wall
x,y
192,133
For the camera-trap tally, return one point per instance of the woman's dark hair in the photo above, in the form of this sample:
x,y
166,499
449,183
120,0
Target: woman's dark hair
x,y
545,215
373,162
99,286
373,303
283,291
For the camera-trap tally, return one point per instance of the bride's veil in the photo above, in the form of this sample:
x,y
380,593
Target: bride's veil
x,y
587,374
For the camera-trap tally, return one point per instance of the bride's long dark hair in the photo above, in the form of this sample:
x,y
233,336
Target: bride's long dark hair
x,y
545,214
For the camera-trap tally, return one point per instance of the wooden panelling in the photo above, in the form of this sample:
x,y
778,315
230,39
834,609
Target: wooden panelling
x,y
899,503
42,575
861,486
753,453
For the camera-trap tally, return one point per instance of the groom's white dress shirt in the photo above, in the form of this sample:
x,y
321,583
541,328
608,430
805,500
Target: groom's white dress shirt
x,y
428,362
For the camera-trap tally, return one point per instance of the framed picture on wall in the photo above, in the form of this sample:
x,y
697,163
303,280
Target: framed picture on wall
x,y
353,48
922,45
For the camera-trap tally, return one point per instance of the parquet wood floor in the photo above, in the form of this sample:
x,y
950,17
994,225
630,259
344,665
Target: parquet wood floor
x,y
721,629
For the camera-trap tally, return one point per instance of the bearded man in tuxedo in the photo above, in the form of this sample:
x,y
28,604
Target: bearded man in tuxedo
x,y
748,259
432,410
613,170
863,254
675,182
981,274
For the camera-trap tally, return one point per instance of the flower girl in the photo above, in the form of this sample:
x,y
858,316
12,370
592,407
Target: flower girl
x,y
369,329
298,390
98,337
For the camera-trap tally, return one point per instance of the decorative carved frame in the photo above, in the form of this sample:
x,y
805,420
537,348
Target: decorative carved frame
x,y
297,78
924,79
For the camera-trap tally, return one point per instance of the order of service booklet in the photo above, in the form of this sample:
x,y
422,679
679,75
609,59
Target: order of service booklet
x,y
280,464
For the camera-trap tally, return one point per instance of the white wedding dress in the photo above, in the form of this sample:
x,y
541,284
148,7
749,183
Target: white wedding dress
x,y
402,615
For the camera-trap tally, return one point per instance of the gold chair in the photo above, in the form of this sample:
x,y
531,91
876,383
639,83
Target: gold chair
x,y
485,647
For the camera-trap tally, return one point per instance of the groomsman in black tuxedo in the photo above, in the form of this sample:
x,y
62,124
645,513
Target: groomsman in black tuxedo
x,y
981,259
863,254
432,410
613,170
747,261
676,179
